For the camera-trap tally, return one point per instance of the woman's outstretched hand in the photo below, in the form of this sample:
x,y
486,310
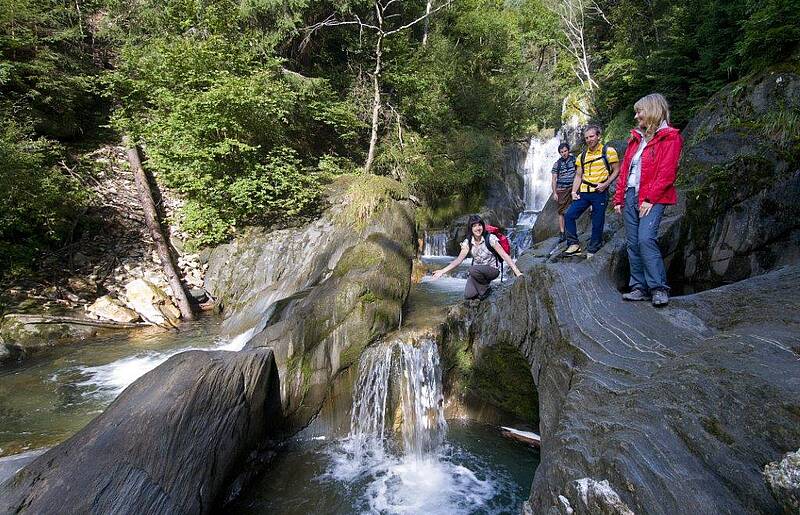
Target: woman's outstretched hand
x,y
437,274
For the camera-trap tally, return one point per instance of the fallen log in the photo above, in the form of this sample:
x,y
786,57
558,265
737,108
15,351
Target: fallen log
x,y
154,225
37,319
527,437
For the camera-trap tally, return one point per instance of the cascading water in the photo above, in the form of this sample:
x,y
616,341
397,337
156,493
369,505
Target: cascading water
x,y
538,179
435,243
399,390
538,166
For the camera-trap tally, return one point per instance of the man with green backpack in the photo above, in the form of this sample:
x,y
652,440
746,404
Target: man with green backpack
x,y
597,168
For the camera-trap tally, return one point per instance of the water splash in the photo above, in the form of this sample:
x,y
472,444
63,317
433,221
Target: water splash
x,y
399,388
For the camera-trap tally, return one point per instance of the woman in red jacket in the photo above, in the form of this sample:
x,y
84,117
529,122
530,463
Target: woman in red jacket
x,y
645,187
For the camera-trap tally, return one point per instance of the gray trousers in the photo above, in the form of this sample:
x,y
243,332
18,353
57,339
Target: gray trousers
x,y
479,278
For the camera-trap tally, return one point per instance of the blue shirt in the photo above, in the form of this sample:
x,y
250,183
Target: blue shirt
x,y
564,170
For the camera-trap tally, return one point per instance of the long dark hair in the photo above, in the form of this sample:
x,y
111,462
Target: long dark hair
x,y
475,219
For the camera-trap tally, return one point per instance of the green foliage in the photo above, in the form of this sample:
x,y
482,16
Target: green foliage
x,y
49,64
687,50
38,201
241,139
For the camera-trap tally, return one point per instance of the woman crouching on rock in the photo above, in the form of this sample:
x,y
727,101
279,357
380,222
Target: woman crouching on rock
x,y
646,186
486,254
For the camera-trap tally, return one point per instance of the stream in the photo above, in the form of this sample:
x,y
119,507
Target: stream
x,y
401,455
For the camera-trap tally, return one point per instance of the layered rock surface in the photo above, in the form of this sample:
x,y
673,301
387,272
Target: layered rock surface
x,y
678,409
318,295
169,444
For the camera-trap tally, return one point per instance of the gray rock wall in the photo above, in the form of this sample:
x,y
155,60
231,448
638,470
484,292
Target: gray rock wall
x,y
740,174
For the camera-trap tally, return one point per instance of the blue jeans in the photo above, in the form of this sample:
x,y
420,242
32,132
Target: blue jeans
x,y
598,200
647,265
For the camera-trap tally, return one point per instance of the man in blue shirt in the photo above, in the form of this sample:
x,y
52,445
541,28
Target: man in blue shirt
x,y
563,177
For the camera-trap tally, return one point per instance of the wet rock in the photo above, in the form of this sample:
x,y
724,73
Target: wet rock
x,y
505,191
783,478
170,443
110,308
198,294
319,294
25,333
150,301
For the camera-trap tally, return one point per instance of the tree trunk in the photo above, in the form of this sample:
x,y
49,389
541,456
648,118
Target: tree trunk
x,y
154,225
376,104
427,22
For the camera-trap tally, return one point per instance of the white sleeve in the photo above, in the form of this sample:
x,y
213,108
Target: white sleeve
x,y
493,240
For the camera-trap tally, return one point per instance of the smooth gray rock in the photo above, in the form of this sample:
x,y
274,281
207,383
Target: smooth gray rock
x,y
679,412
168,444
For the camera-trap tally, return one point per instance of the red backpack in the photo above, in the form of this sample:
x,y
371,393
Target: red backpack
x,y
491,229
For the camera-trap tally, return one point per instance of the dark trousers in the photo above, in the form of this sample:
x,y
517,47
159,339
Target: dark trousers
x,y
479,278
598,200
641,233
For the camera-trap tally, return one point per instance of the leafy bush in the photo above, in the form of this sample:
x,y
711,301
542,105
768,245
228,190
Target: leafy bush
x,y
240,139
39,202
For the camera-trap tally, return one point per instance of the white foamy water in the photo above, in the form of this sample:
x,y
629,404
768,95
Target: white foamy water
x,y
415,473
437,484
538,178
111,379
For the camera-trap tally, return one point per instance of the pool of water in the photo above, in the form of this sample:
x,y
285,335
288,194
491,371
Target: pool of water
x,y
476,471
50,396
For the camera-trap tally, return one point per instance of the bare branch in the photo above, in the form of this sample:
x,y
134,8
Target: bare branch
x,y
424,16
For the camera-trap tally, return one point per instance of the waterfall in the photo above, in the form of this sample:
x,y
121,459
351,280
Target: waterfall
x,y
537,176
416,373
436,243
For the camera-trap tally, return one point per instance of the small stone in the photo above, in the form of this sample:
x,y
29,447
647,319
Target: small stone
x,y
783,478
198,294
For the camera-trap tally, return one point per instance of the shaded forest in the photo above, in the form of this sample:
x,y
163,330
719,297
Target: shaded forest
x,y
247,109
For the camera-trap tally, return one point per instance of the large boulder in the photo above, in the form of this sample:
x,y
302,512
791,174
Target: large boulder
x,y
151,302
170,443
740,172
23,334
109,308
319,294
641,398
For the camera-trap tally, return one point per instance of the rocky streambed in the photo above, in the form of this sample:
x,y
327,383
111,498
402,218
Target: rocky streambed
x,y
689,409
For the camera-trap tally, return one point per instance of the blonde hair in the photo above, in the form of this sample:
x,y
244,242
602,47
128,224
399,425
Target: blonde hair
x,y
654,109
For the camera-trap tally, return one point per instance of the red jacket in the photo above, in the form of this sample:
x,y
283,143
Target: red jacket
x,y
659,167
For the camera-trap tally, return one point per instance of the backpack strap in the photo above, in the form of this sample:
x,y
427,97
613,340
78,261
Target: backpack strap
x,y
605,159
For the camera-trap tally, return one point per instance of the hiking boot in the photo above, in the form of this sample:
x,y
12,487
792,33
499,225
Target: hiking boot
x,y
562,237
572,250
660,298
635,295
